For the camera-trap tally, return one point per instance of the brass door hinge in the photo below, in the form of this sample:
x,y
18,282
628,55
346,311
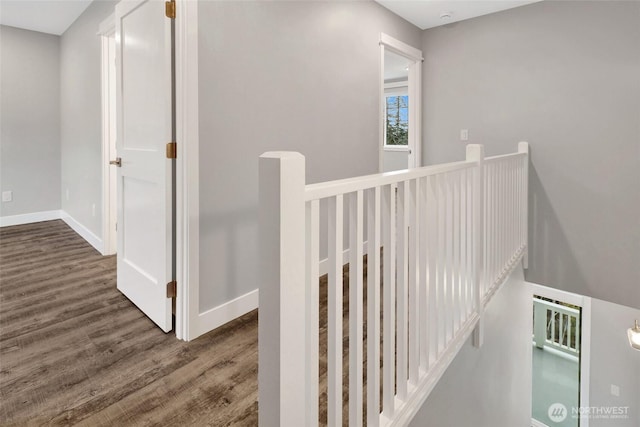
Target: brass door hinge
x,y
170,9
172,150
172,289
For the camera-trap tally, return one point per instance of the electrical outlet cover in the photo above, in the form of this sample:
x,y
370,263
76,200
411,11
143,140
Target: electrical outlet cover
x,y
615,390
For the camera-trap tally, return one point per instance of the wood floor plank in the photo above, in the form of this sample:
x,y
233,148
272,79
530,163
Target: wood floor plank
x,y
58,279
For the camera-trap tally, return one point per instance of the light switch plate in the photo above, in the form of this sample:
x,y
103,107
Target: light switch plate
x,y
7,196
464,134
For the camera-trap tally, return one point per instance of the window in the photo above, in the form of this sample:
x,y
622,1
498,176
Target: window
x,y
396,131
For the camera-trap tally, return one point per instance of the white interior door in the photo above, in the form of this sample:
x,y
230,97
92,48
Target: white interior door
x,y
145,126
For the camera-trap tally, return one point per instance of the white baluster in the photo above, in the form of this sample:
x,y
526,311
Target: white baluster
x,y
402,288
457,288
313,308
464,261
415,226
356,296
424,320
440,264
449,273
432,263
389,302
335,312
373,308
523,147
476,152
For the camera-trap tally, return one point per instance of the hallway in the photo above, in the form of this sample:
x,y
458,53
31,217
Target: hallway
x,y
74,351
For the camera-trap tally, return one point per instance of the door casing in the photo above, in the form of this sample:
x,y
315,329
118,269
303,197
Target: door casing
x,y
107,32
584,303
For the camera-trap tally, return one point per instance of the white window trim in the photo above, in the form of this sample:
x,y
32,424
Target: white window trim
x,y
396,148
415,100
393,85
396,89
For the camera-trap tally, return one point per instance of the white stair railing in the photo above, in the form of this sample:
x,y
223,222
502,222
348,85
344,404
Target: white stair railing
x,y
505,217
556,326
439,242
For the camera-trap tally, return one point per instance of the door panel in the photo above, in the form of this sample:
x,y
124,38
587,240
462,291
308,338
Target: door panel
x,y
144,103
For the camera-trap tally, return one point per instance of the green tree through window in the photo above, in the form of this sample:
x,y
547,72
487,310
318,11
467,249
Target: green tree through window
x,y
397,120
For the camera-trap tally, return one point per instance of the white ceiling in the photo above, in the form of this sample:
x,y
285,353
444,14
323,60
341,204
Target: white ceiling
x,y
45,16
55,16
426,13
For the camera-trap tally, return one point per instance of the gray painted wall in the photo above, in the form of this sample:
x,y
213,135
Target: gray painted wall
x,y
613,361
29,120
490,386
564,76
297,76
81,117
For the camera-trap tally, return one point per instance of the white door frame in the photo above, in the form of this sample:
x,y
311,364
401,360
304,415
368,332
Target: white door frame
x,y
585,334
187,175
107,32
187,213
415,98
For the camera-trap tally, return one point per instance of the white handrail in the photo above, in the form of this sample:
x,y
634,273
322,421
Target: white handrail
x,y
328,189
503,156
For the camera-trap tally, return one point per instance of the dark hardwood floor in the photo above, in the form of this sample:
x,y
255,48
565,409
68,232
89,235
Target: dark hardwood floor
x,y
75,351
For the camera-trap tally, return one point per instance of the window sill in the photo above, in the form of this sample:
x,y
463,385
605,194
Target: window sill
x,y
396,148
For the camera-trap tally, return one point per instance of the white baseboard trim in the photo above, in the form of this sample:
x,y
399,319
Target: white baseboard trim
x,y
28,218
323,267
83,232
218,316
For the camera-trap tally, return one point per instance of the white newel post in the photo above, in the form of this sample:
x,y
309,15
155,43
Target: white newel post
x,y
523,147
281,315
475,152
540,323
